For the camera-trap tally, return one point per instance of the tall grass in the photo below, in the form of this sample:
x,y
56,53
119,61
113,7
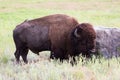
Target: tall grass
x,y
55,70
13,12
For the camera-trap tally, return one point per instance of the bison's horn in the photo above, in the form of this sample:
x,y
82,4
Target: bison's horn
x,y
76,33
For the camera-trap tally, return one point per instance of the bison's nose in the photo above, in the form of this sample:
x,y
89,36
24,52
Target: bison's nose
x,y
92,51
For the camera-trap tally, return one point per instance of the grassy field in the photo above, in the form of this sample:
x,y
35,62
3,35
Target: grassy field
x,y
97,12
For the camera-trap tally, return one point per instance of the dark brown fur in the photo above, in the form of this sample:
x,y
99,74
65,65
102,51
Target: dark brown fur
x,y
46,33
85,43
54,33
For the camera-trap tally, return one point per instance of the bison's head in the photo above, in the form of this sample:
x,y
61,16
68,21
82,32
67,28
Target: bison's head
x,y
84,38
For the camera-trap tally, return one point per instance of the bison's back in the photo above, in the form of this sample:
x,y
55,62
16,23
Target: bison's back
x,y
59,25
52,30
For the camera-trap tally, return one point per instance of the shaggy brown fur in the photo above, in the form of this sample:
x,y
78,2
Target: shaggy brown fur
x,y
58,36
84,44
57,33
46,33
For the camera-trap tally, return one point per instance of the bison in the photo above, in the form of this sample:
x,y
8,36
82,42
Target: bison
x,y
58,33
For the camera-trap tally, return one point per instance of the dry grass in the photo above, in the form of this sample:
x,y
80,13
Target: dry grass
x,y
13,12
43,69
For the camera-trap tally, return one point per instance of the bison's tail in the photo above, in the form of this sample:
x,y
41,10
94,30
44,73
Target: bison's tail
x,y
16,39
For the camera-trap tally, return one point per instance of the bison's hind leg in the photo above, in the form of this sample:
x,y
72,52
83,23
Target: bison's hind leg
x,y
17,55
21,49
23,53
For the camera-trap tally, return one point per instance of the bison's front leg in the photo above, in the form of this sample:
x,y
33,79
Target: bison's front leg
x,y
59,54
52,55
73,61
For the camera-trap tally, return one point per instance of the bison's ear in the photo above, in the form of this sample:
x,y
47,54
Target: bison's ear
x,y
78,32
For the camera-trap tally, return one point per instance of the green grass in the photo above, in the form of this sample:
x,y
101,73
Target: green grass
x,y
13,12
